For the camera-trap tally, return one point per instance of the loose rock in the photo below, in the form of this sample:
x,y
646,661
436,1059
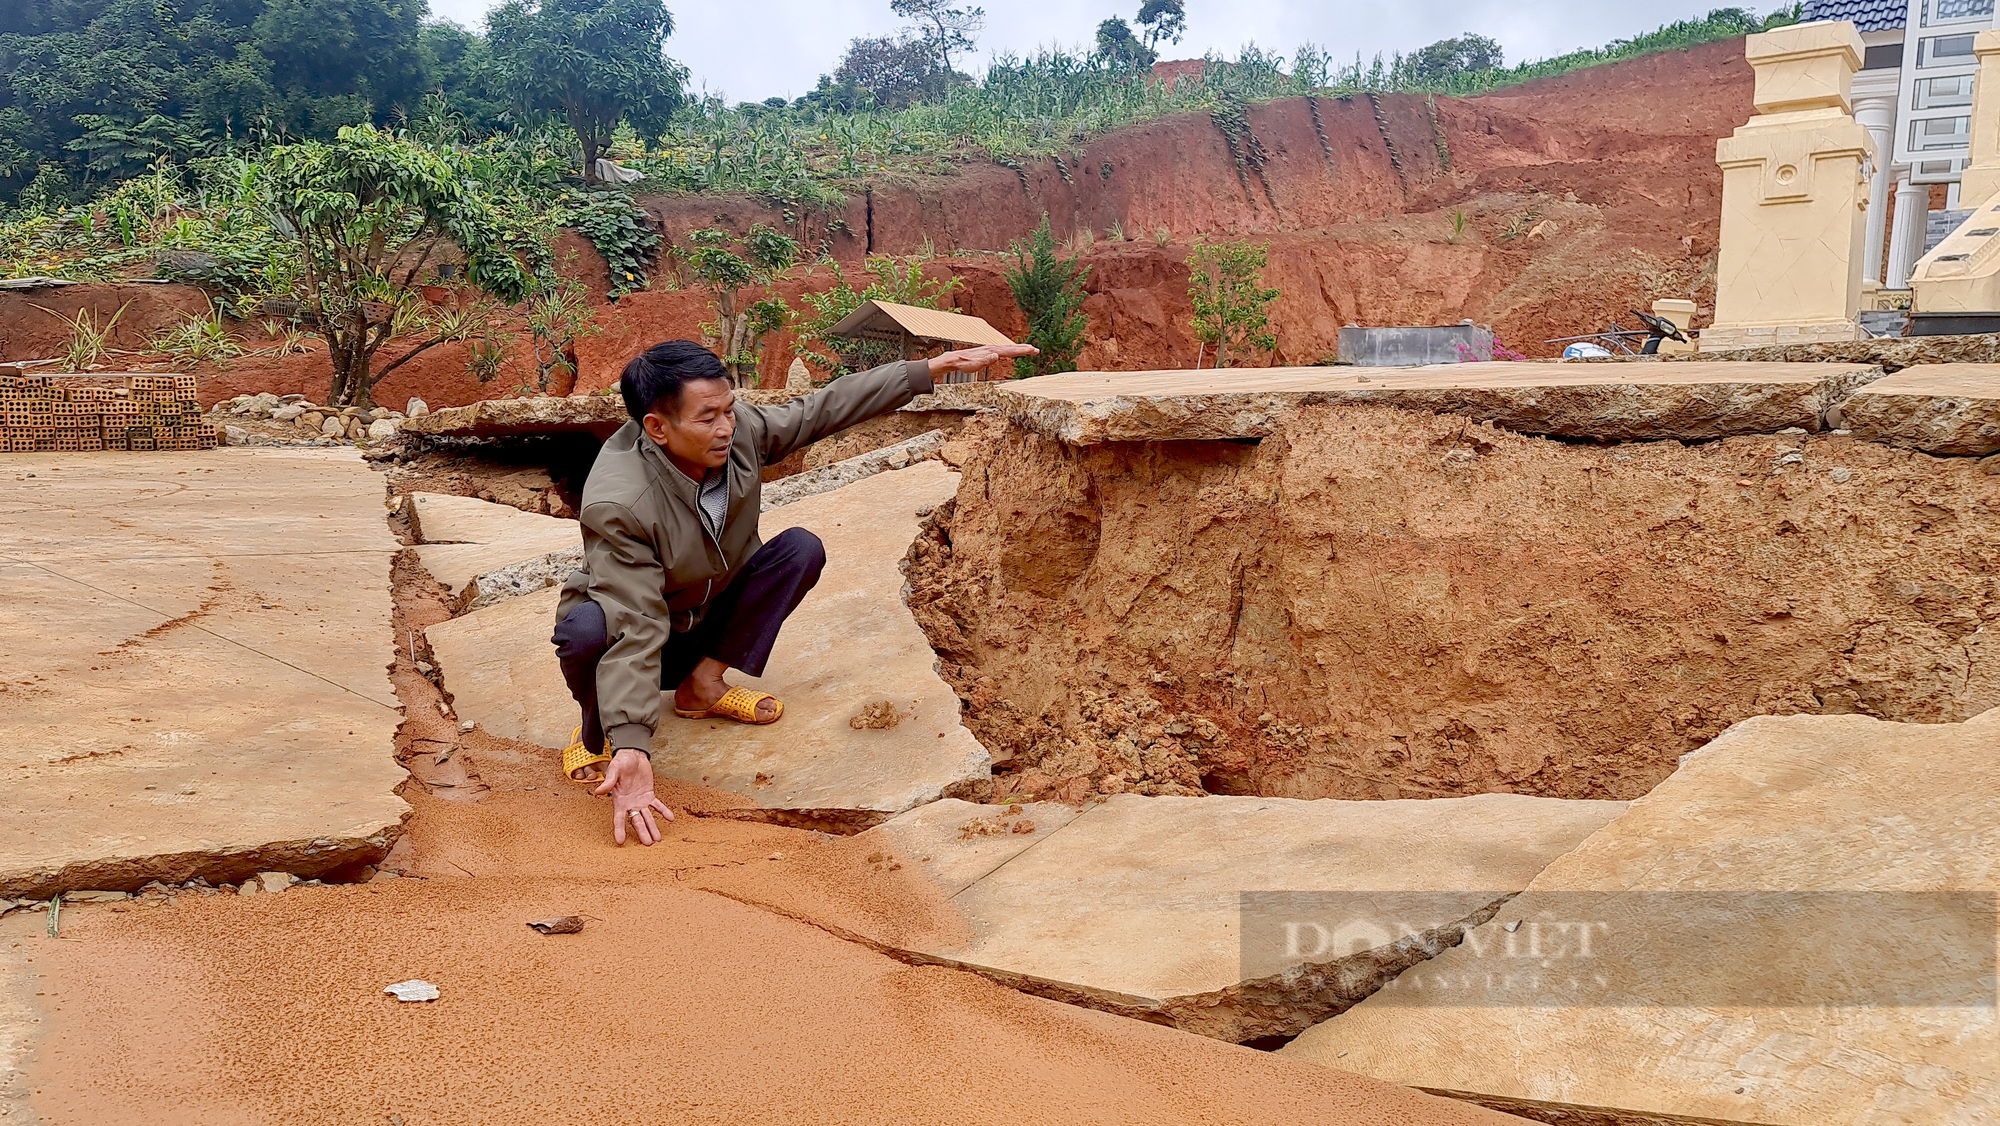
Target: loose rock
x,y
561,924
412,990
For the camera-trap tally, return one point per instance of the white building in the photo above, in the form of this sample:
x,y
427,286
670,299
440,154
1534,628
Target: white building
x,y
1914,95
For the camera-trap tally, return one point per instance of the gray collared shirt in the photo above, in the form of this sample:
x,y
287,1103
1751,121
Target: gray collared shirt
x,y
713,501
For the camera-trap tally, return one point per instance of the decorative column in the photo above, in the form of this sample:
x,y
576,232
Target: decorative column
x,y
1981,178
1875,109
1956,286
1906,232
1794,196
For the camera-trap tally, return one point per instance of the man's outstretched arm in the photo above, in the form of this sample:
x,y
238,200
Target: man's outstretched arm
x,y
628,582
854,399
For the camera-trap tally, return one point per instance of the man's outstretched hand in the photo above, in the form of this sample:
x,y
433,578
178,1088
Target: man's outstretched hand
x,y
980,358
629,784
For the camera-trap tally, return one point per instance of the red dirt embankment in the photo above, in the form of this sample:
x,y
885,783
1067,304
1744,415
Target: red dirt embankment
x,y
1545,210
1581,197
1376,603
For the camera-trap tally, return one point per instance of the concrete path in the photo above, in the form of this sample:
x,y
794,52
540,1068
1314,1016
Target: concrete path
x,y
852,644
1611,402
1234,917
1937,408
465,539
194,653
1796,928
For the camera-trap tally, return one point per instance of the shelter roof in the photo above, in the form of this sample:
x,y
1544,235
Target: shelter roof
x,y
886,320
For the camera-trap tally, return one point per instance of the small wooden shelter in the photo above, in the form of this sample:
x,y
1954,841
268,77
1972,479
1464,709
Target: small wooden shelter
x,y
908,326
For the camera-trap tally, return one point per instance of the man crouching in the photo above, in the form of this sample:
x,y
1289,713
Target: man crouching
x,y
676,588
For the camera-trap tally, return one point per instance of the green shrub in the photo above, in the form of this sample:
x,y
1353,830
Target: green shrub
x,y
1049,291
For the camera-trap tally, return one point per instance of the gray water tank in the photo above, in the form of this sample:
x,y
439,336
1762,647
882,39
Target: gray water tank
x,y
1421,344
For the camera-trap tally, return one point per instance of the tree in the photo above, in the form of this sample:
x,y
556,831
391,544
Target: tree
x,y
594,63
460,65
371,211
1447,59
1049,291
739,329
1118,46
1231,306
330,49
1164,21
893,72
942,27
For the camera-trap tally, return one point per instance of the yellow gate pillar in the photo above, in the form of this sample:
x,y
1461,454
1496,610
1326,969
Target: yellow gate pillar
x,y
1961,274
1794,196
1981,179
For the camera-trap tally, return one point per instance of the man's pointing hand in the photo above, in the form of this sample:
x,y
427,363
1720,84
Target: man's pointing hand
x,y
629,785
980,358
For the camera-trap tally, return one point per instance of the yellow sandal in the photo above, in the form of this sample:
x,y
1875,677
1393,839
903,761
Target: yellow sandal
x,y
739,704
579,757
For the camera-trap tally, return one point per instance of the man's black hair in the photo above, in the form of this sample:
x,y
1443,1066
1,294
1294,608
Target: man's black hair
x,y
653,379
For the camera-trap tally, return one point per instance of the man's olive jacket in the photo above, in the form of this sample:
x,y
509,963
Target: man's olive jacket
x,y
652,565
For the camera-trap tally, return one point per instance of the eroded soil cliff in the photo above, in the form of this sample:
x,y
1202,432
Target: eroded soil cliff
x,y
1375,603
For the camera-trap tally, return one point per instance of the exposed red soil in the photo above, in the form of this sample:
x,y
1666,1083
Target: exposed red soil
x,y
1376,603
1615,163
684,999
1545,210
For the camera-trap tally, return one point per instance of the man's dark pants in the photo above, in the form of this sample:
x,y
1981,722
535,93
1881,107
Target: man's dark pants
x,y
739,630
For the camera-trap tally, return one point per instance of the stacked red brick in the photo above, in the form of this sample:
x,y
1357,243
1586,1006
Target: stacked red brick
x,y
43,414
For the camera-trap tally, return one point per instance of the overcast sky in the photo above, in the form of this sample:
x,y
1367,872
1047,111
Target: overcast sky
x,y
750,50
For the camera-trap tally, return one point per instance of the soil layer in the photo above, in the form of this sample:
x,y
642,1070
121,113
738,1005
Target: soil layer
x,y
1376,603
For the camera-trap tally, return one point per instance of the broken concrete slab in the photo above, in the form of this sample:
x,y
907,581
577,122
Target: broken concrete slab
x,y
813,482
1951,409
1890,353
852,643
958,843
499,667
196,668
1608,402
444,518
517,579
459,566
1175,910
604,414
601,415
1795,928
485,552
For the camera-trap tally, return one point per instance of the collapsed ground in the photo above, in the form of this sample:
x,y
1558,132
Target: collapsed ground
x,y
710,982
1374,603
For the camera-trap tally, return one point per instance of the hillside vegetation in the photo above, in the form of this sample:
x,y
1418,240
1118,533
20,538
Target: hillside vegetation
x,y
95,96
